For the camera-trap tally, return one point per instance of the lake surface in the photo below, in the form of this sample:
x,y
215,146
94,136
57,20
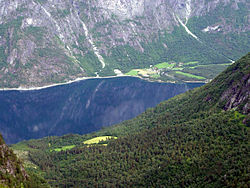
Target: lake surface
x,y
80,107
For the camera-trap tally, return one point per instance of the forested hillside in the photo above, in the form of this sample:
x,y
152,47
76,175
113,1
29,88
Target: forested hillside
x,y
12,173
196,139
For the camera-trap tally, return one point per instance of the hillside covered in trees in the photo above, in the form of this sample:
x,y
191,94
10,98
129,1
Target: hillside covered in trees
x,y
12,172
196,139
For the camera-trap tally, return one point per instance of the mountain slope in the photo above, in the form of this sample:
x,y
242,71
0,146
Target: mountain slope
x,y
45,42
229,90
187,141
12,173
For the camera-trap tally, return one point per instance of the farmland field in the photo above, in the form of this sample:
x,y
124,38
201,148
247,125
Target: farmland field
x,y
165,65
64,148
96,140
132,73
190,75
179,71
192,63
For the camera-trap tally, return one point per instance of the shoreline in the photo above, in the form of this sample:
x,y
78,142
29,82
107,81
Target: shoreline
x,y
58,84
84,78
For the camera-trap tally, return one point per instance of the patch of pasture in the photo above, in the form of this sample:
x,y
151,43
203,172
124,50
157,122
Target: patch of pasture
x,y
165,65
132,73
190,75
64,148
191,63
98,139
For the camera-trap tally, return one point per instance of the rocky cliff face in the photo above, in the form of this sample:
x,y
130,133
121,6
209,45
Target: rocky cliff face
x,y
44,41
237,96
230,90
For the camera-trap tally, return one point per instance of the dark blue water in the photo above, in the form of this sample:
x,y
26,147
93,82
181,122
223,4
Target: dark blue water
x,y
80,107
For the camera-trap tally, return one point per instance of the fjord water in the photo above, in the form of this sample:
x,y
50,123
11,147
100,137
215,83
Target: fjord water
x,y
80,107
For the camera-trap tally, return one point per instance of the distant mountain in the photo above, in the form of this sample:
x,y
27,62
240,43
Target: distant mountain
x,y
12,173
44,42
196,139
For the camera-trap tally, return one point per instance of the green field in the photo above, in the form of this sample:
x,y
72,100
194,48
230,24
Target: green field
x,y
155,76
96,140
191,63
177,68
64,148
132,73
190,75
165,65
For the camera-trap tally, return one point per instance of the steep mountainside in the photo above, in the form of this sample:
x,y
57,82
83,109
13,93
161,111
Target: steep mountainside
x,y
12,173
196,139
43,41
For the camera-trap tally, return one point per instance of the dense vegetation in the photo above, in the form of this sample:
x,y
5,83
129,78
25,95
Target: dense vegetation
x,y
12,173
192,140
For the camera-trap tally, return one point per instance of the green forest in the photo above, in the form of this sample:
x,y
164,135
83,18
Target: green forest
x,y
12,173
196,139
